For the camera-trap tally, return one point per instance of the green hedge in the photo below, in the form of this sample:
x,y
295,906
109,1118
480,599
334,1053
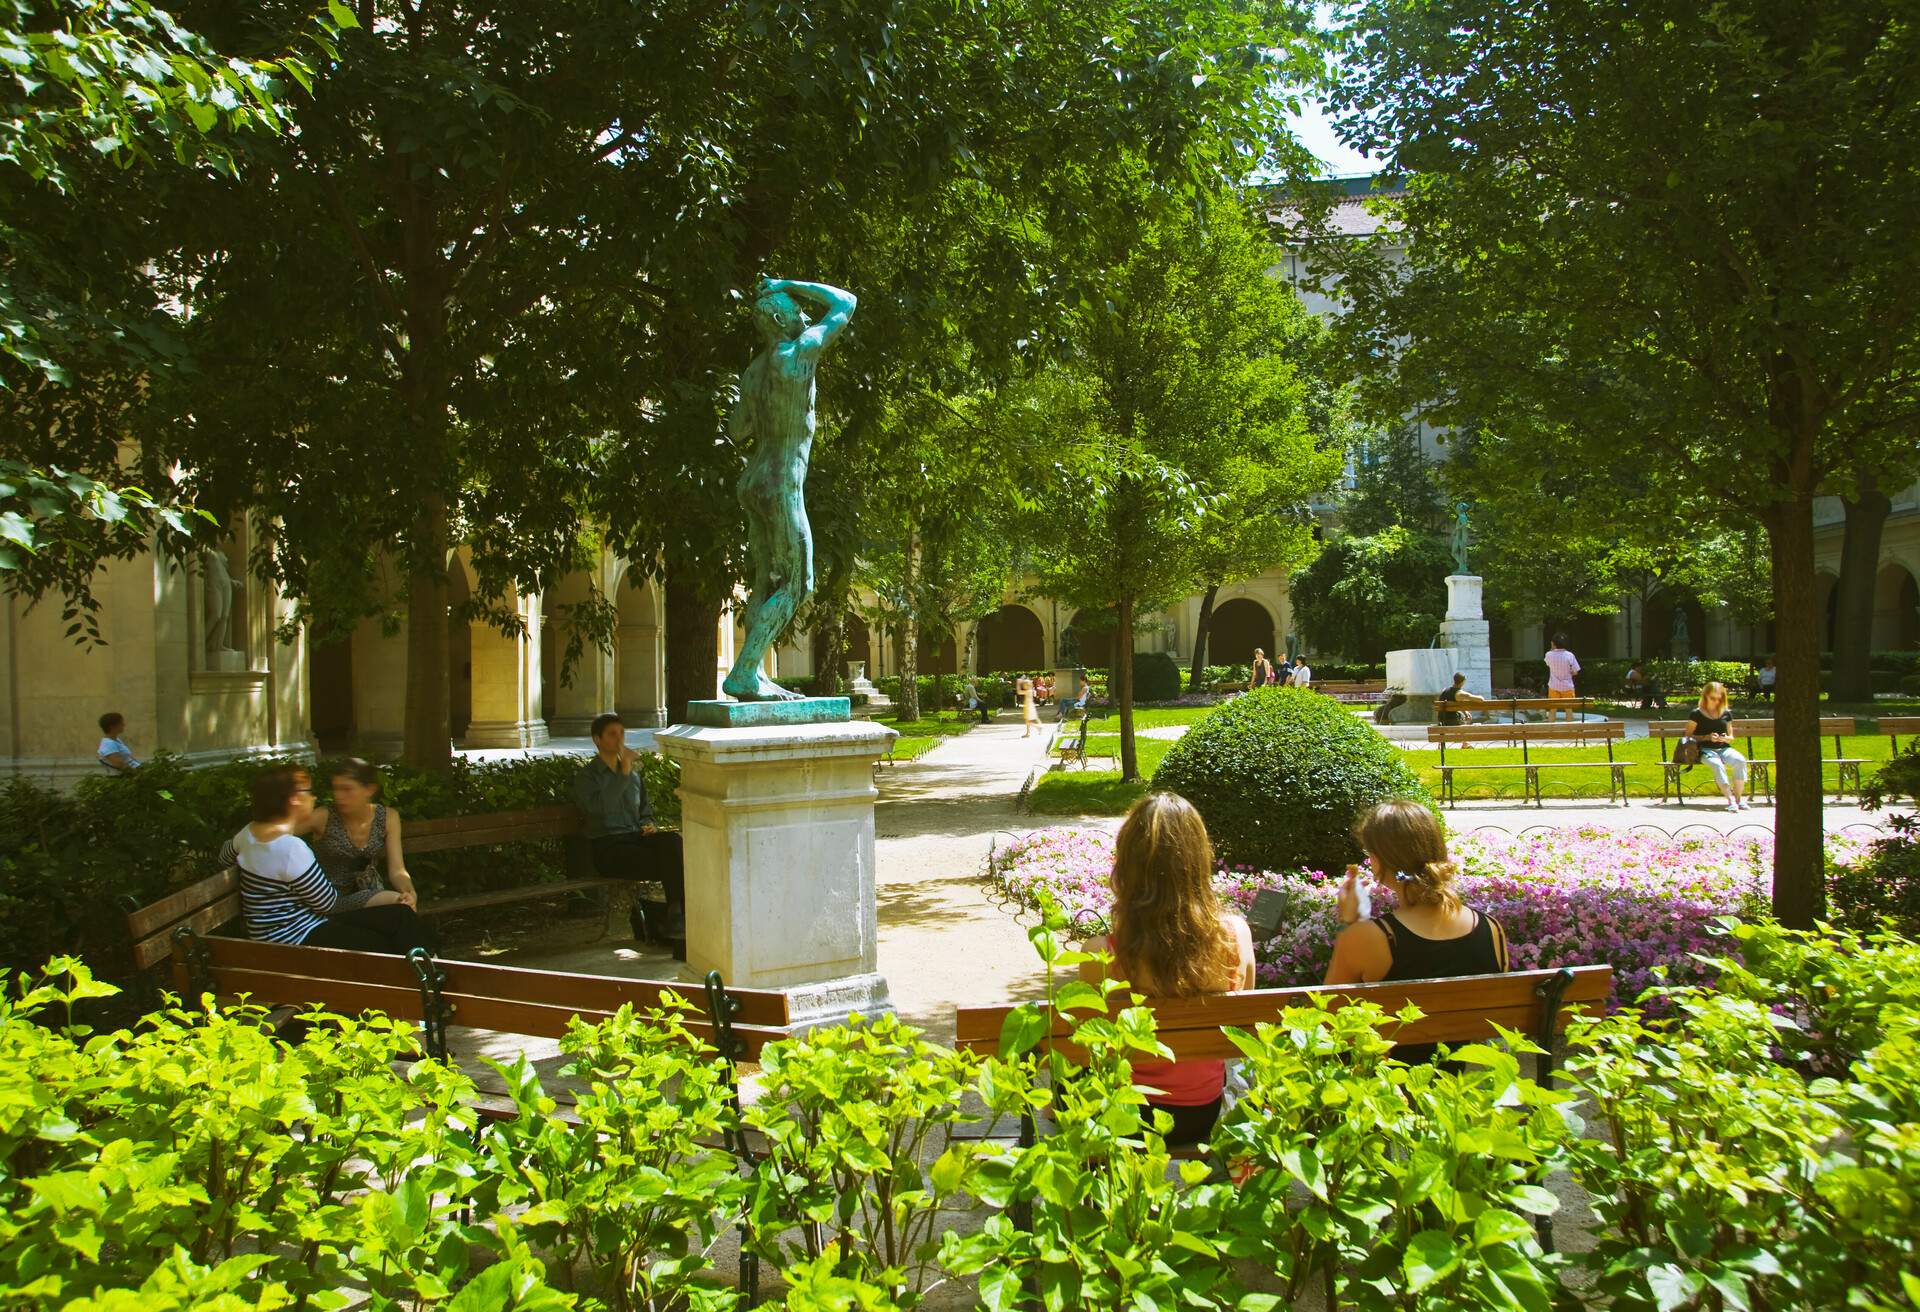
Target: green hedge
x,y
1759,1150
1608,678
1281,774
67,858
1156,677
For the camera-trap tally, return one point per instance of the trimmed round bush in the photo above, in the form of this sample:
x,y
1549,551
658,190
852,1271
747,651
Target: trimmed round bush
x,y
1281,774
1156,677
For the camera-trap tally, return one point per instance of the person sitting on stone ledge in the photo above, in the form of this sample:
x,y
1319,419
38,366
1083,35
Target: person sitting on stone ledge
x,y
1450,699
1171,939
626,842
114,753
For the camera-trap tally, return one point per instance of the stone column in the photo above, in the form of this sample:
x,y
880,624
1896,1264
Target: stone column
x,y
778,824
1465,630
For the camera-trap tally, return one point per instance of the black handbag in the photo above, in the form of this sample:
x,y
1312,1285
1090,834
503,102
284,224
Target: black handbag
x,y
1687,752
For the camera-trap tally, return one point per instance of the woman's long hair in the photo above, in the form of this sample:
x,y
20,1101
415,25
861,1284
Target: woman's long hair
x,y
1717,690
1167,937
1412,848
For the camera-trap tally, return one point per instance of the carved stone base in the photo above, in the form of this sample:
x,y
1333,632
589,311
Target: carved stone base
x,y
505,733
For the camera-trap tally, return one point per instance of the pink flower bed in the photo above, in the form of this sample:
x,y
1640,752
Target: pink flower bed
x,y
1567,896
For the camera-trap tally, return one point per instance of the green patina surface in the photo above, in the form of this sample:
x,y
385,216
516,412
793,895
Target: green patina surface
x,y
759,715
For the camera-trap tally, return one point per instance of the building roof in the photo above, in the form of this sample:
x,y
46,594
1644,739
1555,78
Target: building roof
x,y
1350,215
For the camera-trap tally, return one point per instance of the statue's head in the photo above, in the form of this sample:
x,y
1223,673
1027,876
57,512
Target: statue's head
x,y
778,317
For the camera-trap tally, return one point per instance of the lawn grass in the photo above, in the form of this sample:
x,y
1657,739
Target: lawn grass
x,y
1643,773
1073,791
1070,790
918,737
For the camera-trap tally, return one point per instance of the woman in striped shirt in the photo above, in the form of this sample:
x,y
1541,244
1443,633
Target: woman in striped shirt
x,y
285,897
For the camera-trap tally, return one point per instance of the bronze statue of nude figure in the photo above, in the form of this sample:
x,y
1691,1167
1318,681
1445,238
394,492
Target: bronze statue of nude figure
x,y
775,413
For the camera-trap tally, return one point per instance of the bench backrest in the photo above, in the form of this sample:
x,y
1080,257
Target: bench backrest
x,y
1579,704
559,821
1893,726
1456,1011
1835,727
202,907
1579,731
509,999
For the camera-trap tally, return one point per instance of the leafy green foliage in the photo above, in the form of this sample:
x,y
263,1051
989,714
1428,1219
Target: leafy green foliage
x,y
1280,776
1363,597
1720,1175
1386,1185
850,1117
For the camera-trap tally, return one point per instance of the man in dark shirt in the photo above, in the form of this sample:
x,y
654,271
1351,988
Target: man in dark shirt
x,y
618,822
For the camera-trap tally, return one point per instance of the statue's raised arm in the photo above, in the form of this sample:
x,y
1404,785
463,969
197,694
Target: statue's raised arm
x,y
836,308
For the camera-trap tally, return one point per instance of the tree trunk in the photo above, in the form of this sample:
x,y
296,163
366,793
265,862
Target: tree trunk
x,y
909,706
1121,685
1867,512
429,737
1200,628
1799,894
693,605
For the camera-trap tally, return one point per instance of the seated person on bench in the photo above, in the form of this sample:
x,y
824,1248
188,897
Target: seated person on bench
x,y
1170,939
1449,702
626,843
285,896
1430,935
358,838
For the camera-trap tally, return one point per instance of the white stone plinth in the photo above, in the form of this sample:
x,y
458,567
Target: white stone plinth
x,y
1420,671
1471,642
1463,597
505,733
778,827
228,661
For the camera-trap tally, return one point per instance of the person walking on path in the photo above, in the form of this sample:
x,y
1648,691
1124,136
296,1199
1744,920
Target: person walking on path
x,y
1302,674
1562,665
1028,715
1262,674
1712,729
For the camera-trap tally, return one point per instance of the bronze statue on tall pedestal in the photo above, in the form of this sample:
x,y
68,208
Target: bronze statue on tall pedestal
x,y
775,413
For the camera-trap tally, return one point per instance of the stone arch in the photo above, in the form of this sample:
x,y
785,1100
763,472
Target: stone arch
x,y
935,657
459,649
1826,591
1094,631
1012,639
1896,608
1237,626
639,683
568,704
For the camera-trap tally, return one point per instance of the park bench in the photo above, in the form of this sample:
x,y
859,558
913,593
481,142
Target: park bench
x,y
1074,750
214,902
1894,725
737,1023
1527,736
1536,1003
1759,769
1337,687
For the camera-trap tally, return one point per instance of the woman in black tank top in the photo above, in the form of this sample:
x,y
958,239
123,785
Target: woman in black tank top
x,y
1431,935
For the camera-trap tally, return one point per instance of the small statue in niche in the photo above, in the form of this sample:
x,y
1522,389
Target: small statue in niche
x,y
1680,639
220,593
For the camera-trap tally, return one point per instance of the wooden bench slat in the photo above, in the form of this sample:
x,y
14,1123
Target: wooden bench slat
x,y
156,948
1894,724
519,893
460,824
478,978
161,915
1462,995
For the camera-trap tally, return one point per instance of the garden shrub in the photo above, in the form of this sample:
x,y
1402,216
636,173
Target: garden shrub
x,y
1608,678
1281,774
1882,883
1156,677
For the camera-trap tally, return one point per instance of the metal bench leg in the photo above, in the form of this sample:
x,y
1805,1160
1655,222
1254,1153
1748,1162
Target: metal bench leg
x,y
434,1009
721,1009
1550,992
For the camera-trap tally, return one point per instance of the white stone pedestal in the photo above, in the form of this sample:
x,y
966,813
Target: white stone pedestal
x,y
1465,630
859,684
227,661
778,827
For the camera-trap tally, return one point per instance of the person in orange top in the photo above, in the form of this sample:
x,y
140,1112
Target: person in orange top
x,y
1172,939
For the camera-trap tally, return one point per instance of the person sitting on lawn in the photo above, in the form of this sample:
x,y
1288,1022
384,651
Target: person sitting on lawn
x,y
1430,934
1171,939
626,843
